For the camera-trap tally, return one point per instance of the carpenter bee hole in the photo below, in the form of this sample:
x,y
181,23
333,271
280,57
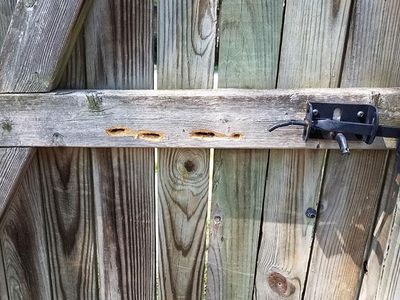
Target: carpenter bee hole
x,y
116,131
150,135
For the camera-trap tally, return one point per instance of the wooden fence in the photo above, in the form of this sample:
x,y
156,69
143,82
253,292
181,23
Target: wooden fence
x,y
145,223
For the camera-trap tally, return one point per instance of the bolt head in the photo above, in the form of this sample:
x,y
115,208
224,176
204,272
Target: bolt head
x,y
315,112
360,114
311,213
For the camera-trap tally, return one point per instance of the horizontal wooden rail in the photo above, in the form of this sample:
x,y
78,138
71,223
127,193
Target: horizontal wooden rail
x,y
188,118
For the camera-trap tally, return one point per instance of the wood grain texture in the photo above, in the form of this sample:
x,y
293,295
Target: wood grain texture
x,y
23,241
119,55
3,282
313,43
372,53
388,281
67,190
124,182
349,199
250,34
36,46
6,11
186,43
74,75
183,193
238,194
13,162
119,45
293,185
233,118
376,256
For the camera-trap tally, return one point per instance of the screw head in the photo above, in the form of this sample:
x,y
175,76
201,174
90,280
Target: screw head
x,y
360,114
311,213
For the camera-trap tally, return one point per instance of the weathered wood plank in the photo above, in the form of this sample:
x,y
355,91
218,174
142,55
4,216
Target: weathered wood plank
x,y
6,11
36,47
250,34
349,200
119,45
293,185
313,43
372,54
183,193
23,242
119,54
74,75
186,43
388,281
238,194
13,162
67,191
233,118
377,254
3,282
124,182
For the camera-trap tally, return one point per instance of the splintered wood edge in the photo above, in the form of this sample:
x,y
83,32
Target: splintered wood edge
x,y
226,118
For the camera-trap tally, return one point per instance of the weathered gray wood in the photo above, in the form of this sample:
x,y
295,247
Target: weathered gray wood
x,y
372,54
313,43
68,199
23,241
186,43
119,54
221,119
388,281
293,185
6,11
349,199
377,265
124,181
37,44
119,45
250,34
13,162
3,282
74,75
237,203
183,193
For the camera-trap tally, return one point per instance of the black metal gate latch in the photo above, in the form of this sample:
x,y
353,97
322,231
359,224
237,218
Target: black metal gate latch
x,y
344,122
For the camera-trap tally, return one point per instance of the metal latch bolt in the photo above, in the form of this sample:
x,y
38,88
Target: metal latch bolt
x,y
344,122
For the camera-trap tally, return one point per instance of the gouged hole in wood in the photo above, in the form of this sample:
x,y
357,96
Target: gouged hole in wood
x,y
206,134
118,131
150,136
237,136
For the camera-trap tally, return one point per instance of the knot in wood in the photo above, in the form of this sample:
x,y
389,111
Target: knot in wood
x,y
280,285
190,166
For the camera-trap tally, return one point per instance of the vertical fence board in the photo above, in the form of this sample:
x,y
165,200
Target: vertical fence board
x,y
238,194
349,199
119,54
293,186
183,194
23,241
372,60
372,54
186,43
250,34
124,181
186,50
67,190
6,11
377,261
313,43
3,283
31,60
119,39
